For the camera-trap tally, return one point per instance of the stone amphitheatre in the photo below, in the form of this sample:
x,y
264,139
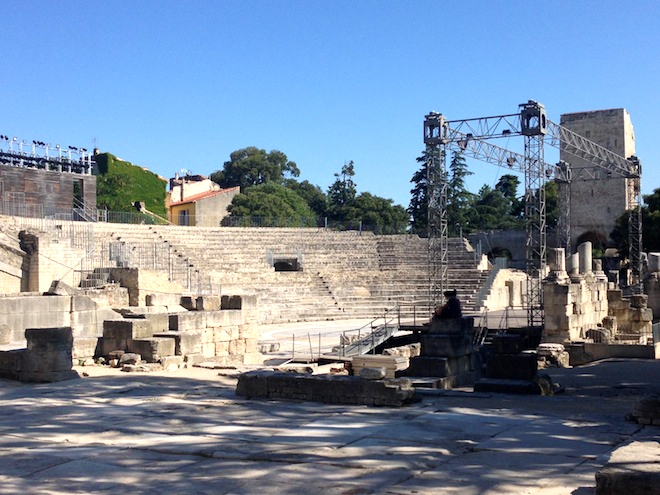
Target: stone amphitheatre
x,y
173,359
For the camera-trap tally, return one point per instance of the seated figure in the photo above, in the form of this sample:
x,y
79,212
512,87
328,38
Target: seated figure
x,y
451,309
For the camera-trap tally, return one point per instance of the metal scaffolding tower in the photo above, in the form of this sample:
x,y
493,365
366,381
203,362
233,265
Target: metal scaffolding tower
x,y
469,136
436,155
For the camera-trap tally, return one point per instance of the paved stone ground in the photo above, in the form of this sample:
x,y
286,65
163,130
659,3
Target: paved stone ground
x,y
187,433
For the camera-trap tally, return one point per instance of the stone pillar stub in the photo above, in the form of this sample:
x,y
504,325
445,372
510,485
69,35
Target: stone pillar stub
x,y
585,261
557,264
654,262
598,271
573,266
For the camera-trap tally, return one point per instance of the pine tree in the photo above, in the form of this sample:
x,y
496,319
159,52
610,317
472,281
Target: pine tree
x,y
418,207
458,197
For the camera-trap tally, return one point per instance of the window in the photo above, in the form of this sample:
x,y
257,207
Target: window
x,y
184,217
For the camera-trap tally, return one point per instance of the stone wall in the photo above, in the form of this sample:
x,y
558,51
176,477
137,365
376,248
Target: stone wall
x,y
596,204
48,259
13,269
142,283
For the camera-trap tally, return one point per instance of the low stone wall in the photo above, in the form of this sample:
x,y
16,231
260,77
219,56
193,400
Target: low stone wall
x,y
325,388
47,358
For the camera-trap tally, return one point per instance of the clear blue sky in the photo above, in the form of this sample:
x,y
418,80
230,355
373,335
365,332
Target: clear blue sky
x,y
181,84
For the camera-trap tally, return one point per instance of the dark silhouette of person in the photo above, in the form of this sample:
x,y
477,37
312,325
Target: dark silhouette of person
x,y
451,309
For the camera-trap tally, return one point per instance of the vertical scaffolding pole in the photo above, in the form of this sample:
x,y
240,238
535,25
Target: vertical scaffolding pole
x,y
635,225
534,127
435,131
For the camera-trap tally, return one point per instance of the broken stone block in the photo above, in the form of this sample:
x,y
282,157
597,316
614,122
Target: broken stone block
x,y
373,373
153,349
647,410
171,362
129,358
48,357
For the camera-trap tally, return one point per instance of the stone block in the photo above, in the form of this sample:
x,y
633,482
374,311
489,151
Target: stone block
x,y
106,346
231,302
452,326
187,321
208,349
152,349
128,328
217,318
445,345
639,301
221,334
84,347
82,303
207,303
167,361
48,350
507,344
162,299
373,373
522,366
633,469
194,359
5,334
184,342
188,302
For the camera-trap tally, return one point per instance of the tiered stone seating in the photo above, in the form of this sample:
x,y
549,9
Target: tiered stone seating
x,y
344,274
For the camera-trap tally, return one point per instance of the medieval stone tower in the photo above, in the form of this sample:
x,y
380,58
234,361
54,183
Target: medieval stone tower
x,y
599,197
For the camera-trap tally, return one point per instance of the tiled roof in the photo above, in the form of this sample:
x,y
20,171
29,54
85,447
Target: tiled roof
x,y
204,195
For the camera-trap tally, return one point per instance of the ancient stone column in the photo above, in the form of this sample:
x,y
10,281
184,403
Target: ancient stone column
x,y
573,265
585,250
557,264
598,271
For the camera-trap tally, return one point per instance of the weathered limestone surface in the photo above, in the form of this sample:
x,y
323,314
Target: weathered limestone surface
x,y
448,353
633,469
47,358
325,388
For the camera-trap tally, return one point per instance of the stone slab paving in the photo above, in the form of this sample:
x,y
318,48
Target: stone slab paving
x,y
187,432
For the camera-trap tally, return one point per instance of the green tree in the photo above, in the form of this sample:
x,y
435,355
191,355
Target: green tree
x,y
492,210
380,215
341,195
650,226
277,204
458,197
252,166
313,195
418,207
